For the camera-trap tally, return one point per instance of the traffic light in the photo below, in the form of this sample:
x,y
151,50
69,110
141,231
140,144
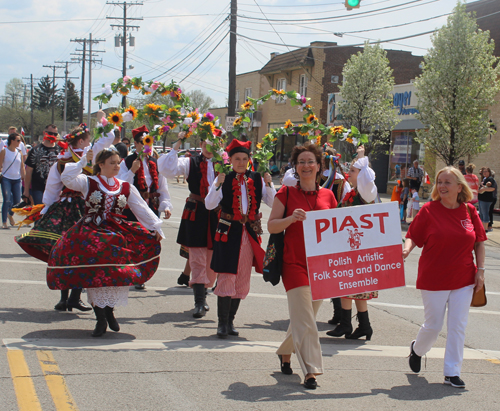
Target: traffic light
x,y
352,4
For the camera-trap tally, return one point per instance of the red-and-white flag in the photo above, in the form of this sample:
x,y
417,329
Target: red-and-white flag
x,y
427,179
22,131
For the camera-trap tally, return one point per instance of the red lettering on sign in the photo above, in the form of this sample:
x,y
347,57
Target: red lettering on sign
x,y
349,222
381,219
321,225
368,223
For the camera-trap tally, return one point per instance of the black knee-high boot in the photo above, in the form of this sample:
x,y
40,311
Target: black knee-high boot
x,y
110,318
75,302
235,303
337,309
102,323
199,300
364,327
345,326
61,305
223,307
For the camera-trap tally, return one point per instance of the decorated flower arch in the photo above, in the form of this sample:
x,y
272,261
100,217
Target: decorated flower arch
x,y
162,119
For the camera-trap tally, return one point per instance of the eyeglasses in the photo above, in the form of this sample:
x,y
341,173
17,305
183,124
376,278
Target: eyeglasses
x,y
17,141
50,133
309,163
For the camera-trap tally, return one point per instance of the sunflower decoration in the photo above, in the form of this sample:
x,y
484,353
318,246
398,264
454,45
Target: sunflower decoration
x,y
259,146
153,107
337,130
318,140
288,124
310,118
124,91
174,111
246,105
147,140
209,125
115,118
133,111
194,116
237,122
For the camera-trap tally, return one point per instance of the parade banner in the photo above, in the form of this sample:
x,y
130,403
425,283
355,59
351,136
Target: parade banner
x,y
354,250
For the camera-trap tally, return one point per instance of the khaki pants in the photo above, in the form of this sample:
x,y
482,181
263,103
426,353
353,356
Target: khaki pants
x,y
302,337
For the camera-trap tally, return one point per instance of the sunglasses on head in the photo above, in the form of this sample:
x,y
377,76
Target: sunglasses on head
x,y
50,133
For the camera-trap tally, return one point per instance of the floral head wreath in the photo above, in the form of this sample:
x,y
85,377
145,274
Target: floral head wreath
x,y
84,129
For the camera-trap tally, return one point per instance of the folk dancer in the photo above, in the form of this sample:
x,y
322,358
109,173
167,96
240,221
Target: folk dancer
x,y
112,253
63,207
237,243
143,174
364,191
198,225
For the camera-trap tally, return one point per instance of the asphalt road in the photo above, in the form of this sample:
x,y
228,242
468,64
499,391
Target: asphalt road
x,y
164,359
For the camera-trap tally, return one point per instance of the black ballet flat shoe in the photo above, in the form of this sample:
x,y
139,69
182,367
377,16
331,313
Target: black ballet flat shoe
x,y
79,305
60,306
311,383
285,366
140,286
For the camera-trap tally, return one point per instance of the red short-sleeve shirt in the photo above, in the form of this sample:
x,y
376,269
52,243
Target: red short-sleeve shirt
x,y
447,237
294,256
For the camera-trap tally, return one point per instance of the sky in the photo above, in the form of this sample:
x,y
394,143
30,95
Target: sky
x,y
172,36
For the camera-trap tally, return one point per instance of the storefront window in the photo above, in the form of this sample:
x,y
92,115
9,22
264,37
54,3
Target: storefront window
x,y
404,150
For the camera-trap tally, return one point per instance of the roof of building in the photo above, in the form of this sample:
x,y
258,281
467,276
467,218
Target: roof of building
x,y
288,61
488,8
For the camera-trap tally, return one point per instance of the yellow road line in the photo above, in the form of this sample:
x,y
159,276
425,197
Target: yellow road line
x,y
494,361
27,400
63,399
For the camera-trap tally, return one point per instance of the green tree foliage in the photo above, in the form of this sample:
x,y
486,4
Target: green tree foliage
x,y
15,93
73,102
459,81
367,103
22,118
44,94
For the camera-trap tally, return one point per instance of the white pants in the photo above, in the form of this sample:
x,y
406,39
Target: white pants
x,y
458,312
302,337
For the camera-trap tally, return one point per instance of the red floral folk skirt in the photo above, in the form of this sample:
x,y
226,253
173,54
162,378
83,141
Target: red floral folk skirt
x,y
109,255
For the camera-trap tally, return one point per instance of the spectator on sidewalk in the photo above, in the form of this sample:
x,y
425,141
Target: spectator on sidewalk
x,y
415,175
40,160
461,167
486,190
415,204
120,147
472,181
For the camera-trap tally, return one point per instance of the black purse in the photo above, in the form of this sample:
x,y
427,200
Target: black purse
x,y
273,261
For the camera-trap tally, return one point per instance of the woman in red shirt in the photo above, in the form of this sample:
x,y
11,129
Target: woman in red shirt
x,y
473,182
448,229
302,336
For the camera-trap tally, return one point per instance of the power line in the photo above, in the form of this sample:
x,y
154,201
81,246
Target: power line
x,y
361,15
205,59
73,20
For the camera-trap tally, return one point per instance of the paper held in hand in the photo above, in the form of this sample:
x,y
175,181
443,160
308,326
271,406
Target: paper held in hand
x,y
354,250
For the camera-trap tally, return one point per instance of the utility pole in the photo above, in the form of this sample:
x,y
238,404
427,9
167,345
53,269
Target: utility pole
x,y
231,101
66,72
125,27
54,68
83,42
32,105
91,60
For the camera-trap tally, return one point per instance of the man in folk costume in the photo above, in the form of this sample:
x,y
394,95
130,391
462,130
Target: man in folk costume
x,y
198,224
143,174
237,241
